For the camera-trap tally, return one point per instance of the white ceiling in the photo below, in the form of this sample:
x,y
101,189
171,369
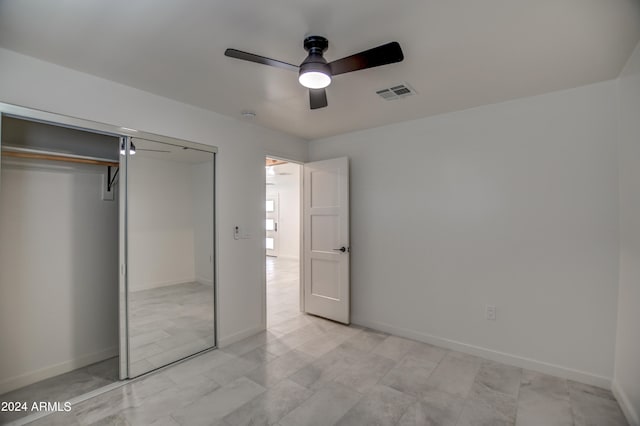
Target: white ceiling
x,y
458,53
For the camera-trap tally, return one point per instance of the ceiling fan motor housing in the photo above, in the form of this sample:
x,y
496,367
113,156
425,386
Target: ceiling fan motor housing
x,y
315,45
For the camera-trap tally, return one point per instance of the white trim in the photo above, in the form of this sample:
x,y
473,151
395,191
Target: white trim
x,y
626,406
41,116
204,281
263,262
296,258
506,358
31,377
158,284
236,337
216,250
302,306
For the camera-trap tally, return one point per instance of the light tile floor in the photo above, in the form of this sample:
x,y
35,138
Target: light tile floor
x,y
62,387
169,323
308,371
283,293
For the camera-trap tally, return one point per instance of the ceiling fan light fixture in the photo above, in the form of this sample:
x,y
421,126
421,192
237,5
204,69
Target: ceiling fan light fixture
x,y
314,75
314,80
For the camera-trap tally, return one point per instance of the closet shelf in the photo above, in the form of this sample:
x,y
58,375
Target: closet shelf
x,y
9,151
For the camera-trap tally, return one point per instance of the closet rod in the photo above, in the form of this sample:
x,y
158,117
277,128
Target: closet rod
x,y
56,156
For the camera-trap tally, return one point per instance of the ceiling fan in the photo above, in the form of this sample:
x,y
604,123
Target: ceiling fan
x,y
315,72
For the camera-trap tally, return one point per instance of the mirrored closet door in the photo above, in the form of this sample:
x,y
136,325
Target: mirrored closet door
x,y
107,255
169,255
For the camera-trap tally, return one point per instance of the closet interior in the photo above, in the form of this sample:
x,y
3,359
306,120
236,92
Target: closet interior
x,y
106,257
58,262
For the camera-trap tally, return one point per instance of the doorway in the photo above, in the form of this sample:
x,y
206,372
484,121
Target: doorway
x,y
282,241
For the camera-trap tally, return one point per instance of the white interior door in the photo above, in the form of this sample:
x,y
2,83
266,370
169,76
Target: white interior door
x,y
272,213
326,239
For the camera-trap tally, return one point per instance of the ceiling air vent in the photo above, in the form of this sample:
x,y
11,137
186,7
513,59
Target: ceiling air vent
x,y
398,91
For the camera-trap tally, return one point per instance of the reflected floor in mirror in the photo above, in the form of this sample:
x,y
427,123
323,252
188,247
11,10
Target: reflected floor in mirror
x,y
63,387
169,323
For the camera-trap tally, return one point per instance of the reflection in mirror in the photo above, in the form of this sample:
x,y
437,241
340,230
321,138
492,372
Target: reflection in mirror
x,y
270,205
170,254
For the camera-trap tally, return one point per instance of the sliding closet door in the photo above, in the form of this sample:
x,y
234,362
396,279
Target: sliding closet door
x,y
170,276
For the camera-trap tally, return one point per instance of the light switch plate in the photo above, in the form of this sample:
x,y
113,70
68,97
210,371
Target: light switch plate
x,y
239,234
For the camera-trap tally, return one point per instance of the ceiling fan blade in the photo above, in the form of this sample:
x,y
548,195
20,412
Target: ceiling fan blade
x,y
317,98
245,56
382,55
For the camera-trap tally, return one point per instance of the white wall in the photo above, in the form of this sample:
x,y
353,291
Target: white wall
x,y
286,182
171,216
239,166
58,270
161,226
627,366
512,205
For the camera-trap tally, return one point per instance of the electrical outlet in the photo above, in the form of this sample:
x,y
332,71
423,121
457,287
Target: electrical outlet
x,y
490,312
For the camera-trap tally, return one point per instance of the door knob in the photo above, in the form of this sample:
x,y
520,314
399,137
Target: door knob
x,y
341,249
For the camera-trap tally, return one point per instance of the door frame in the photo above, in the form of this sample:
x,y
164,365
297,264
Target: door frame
x,y
301,233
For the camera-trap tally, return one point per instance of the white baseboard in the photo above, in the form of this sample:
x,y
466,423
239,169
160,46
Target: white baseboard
x,y
236,337
515,360
627,408
149,286
204,281
296,258
16,382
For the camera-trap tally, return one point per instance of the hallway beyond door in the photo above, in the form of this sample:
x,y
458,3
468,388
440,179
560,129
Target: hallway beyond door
x,y
283,290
